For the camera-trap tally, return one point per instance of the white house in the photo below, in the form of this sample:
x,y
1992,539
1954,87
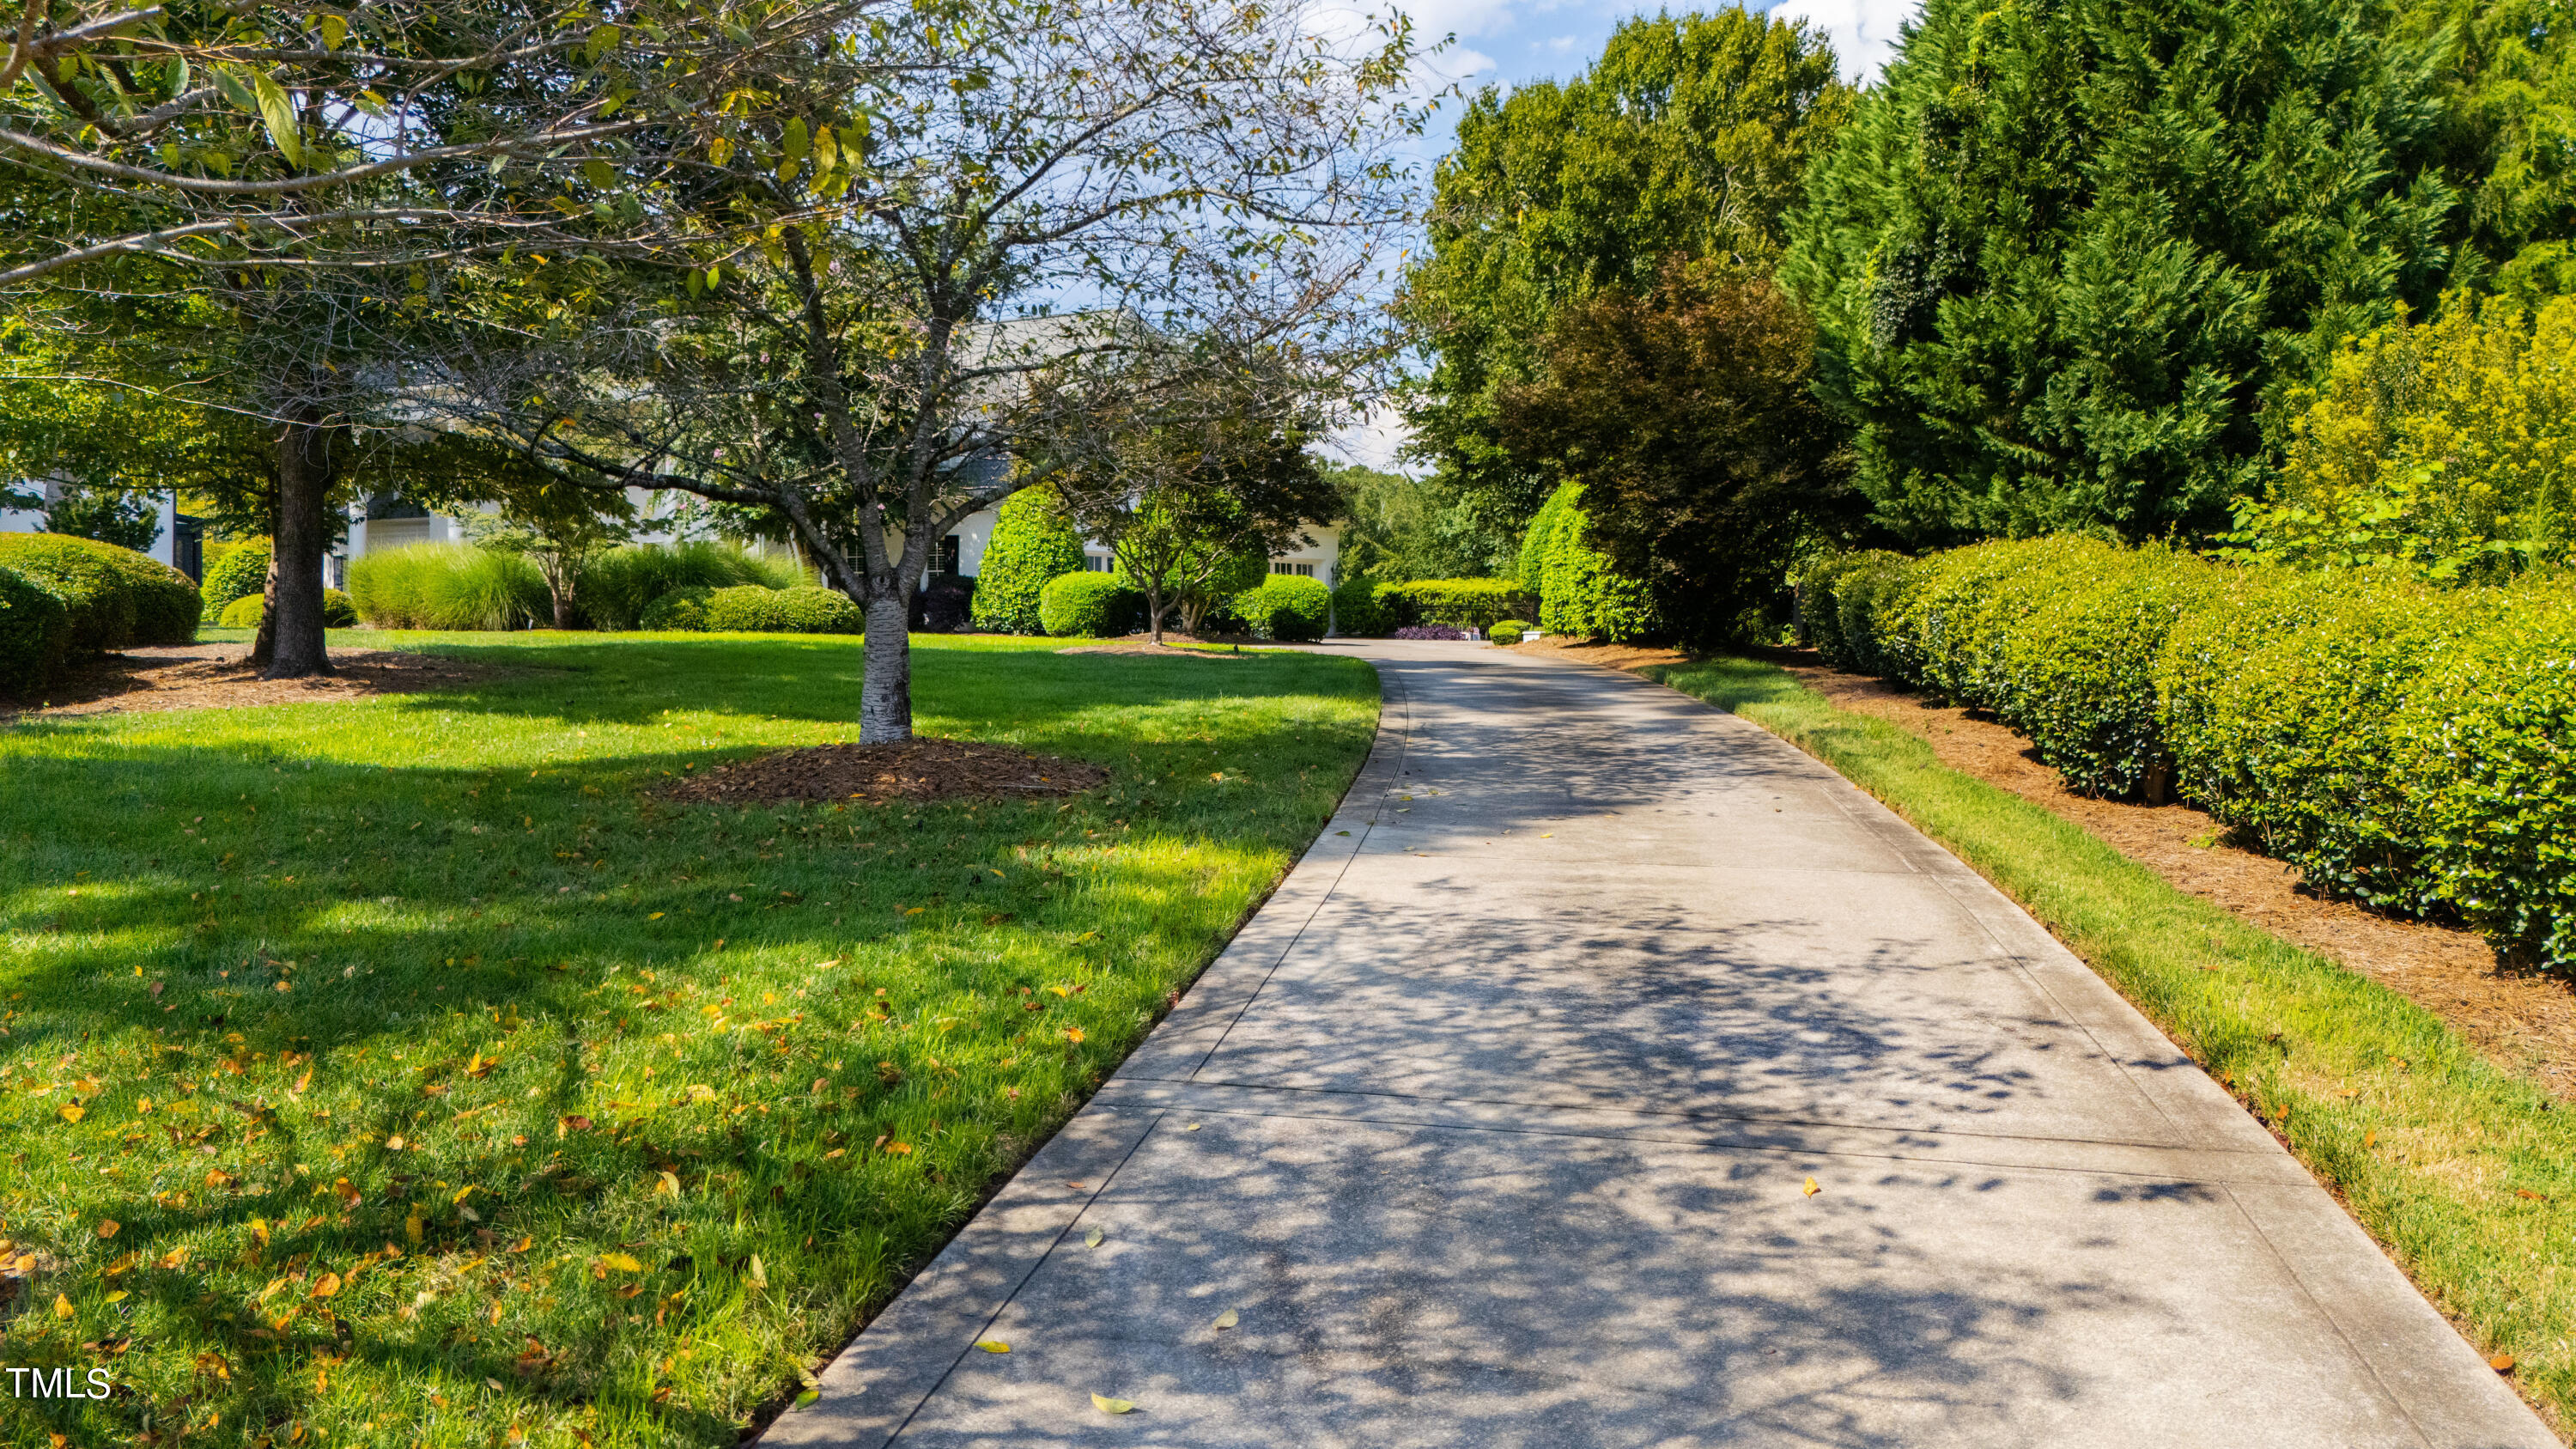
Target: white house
x,y
168,546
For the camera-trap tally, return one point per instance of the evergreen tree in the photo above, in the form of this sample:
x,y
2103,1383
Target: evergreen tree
x,y
2064,256
1031,545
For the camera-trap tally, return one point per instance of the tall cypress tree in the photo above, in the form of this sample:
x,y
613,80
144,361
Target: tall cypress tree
x,y
2062,257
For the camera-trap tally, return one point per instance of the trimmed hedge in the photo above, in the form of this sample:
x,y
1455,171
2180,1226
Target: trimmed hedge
x,y
1580,593
238,572
1030,546
1364,607
1289,607
1093,605
35,630
1466,603
338,612
752,609
1508,631
1531,570
2402,745
116,597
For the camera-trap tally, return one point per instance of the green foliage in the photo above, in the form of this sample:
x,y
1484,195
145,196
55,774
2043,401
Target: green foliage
x,y
1466,603
1398,527
682,610
448,586
35,629
1837,607
2447,448
109,515
2280,700
1287,607
1509,631
1363,608
1688,137
117,597
2486,735
615,587
1582,594
1686,406
1090,605
1531,564
241,569
2065,255
2078,668
1031,544
339,611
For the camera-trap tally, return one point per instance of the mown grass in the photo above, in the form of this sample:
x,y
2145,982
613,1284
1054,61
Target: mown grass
x,y
2464,1171
406,1072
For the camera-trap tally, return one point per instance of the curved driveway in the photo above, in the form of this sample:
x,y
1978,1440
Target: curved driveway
x,y
1495,1128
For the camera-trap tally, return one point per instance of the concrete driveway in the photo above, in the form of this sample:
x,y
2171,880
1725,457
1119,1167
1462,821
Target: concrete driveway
x,y
1497,1125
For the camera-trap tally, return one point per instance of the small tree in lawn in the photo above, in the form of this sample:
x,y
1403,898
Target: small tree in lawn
x,y
872,335
557,526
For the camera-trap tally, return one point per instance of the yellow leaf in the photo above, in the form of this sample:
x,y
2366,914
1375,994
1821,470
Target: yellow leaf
x,y
899,1149
174,1258
1093,1238
107,1227
669,1186
622,1262
1112,1406
412,1227
1228,1319
992,1345
62,1306
73,1114
756,1276
394,1143
657,915
325,1287
117,1297
1811,1189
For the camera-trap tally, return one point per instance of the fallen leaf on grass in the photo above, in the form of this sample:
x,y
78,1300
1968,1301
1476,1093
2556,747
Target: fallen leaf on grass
x,y
622,1262
992,1345
2502,1363
1113,1406
107,1227
756,1276
63,1306
327,1285
72,1114
1228,1319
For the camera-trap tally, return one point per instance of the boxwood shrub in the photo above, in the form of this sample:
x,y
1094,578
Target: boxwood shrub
x,y
1092,605
683,609
753,609
116,597
338,612
1508,631
1288,607
35,629
241,569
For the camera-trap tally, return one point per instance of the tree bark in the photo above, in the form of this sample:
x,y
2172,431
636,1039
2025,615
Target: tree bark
x,y
290,631
1154,611
885,692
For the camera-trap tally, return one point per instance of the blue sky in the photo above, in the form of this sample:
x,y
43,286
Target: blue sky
x,y
1515,41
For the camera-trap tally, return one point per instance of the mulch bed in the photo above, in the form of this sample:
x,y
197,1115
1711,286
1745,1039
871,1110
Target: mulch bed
x,y
217,676
2526,1022
917,769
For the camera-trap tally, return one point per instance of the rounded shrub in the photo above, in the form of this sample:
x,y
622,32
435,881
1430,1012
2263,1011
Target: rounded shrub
x,y
682,610
809,610
35,630
1508,631
745,609
1287,607
1092,605
116,597
1031,545
338,611
241,569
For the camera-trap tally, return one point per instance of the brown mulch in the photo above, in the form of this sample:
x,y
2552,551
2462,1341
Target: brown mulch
x,y
216,676
917,769
1174,646
2525,1022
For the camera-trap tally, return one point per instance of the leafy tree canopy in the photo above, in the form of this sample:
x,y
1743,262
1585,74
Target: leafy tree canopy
x,y
1689,136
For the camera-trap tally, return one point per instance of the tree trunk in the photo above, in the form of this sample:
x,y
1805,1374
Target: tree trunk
x,y
1154,611
885,692
563,608
290,644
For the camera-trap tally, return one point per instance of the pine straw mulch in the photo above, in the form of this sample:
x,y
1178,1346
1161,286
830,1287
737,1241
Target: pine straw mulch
x,y
218,676
918,769
2523,1021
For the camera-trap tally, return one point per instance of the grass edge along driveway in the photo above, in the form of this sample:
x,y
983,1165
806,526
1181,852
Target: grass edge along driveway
x,y
406,1072
2464,1172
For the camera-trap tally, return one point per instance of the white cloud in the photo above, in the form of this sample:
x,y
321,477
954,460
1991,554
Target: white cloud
x,y
1371,442
1560,44
1864,31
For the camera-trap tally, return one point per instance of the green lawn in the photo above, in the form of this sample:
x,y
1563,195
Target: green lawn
x,y
404,1072
2464,1171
